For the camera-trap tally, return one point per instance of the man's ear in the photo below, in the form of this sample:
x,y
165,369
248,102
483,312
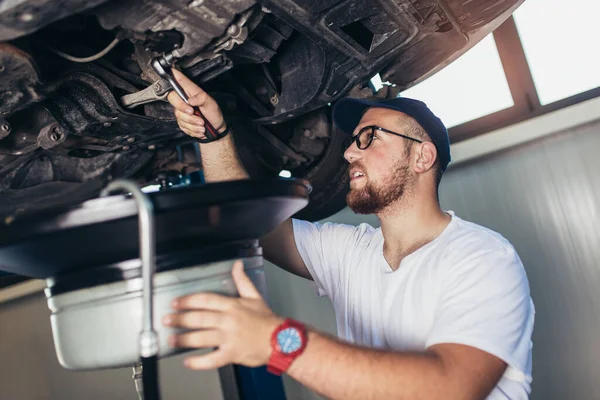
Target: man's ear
x,y
426,156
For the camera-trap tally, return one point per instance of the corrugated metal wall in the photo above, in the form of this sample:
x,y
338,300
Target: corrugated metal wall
x,y
545,198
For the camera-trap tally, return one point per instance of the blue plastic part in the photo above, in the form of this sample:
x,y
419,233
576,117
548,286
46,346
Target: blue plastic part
x,y
258,384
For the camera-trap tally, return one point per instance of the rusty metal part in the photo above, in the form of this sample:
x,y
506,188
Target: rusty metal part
x,y
20,151
5,128
19,79
20,17
50,136
280,145
25,126
236,33
84,106
199,23
208,69
143,58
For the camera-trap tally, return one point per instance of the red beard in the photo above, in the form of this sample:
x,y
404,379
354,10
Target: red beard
x,y
372,199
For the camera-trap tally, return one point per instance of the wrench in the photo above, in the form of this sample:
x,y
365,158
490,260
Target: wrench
x,y
157,91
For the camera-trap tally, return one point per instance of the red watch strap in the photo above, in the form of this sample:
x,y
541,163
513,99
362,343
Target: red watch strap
x,y
278,365
280,362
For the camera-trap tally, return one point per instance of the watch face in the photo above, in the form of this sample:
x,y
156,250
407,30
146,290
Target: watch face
x,y
289,340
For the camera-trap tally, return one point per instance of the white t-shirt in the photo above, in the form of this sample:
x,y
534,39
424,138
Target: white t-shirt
x,y
467,286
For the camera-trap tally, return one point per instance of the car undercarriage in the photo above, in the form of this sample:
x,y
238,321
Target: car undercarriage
x,y
81,106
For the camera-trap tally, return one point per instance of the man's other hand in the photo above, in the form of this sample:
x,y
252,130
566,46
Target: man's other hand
x,y
239,327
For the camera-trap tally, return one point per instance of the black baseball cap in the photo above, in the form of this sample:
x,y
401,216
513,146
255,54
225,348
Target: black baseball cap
x,y
348,112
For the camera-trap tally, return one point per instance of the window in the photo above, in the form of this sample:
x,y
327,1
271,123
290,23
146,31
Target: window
x,y
541,59
471,87
560,42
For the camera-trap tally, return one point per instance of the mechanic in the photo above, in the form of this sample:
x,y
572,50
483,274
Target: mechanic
x,y
429,306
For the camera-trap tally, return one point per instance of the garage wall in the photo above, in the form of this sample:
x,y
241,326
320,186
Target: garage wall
x,y
545,198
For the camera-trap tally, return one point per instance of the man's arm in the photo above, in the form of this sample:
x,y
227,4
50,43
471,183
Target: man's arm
x,y
338,370
280,248
220,162
241,330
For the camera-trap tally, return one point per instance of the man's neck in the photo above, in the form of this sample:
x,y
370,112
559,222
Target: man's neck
x,y
408,226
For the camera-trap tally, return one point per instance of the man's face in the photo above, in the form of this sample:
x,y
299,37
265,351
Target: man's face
x,y
379,175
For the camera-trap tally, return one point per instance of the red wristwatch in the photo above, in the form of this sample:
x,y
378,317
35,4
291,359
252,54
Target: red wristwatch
x,y
288,342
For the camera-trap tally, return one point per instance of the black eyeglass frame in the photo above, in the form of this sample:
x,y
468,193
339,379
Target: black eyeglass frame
x,y
372,128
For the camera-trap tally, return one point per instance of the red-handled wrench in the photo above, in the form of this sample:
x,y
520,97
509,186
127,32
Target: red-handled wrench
x,y
163,68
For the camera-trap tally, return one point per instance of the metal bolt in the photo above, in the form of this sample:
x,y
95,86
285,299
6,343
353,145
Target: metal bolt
x,y
125,148
157,88
131,140
133,56
307,133
5,129
152,147
176,46
143,75
26,17
275,99
233,30
55,135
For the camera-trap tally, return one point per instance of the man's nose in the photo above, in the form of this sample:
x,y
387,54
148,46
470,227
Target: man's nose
x,y
352,153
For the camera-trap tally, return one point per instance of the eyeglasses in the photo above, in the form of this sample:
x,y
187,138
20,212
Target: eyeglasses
x,y
364,137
